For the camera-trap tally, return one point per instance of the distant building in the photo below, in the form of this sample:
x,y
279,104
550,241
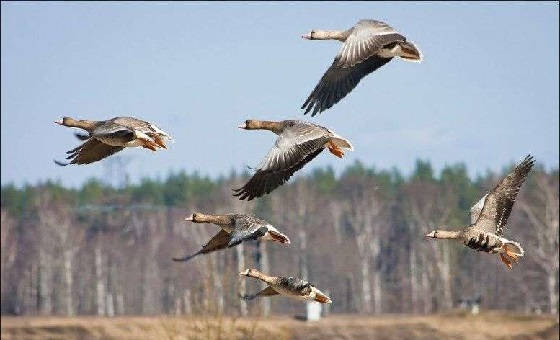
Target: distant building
x,y
313,311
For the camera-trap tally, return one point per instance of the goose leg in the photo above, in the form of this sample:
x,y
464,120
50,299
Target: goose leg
x,y
506,261
148,144
335,150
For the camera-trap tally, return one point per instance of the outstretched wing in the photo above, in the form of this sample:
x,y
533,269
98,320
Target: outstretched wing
x,y
294,148
91,151
357,58
337,82
499,201
477,208
218,242
268,291
368,37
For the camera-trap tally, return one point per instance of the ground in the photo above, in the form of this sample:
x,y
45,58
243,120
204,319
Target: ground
x,y
487,325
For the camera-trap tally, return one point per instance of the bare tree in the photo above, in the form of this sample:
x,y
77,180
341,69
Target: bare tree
x,y
541,209
428,206
365,213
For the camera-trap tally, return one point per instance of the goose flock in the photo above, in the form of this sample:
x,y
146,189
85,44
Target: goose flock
x,y
366,46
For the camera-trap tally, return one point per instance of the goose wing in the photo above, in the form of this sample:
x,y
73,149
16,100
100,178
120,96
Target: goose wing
x,y
297,286
218,242
499,202
476,209
356,59
239,235
268,291
91,151
294,148
114,133
140,125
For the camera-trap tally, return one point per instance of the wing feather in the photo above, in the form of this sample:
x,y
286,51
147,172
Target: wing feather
x,y
91,151
337,82
294,148
268,291
499,202
357,58
218,242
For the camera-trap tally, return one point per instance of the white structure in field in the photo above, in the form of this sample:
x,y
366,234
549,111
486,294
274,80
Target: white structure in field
x,y
313,311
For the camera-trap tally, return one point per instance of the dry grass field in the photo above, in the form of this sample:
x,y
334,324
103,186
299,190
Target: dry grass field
x,y
487,325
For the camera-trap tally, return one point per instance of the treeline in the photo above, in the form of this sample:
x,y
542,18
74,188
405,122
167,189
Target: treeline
x,y
103,250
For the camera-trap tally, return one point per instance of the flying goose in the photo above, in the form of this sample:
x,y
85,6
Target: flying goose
x,y
297,144
287,286
366,47
235,228
489,218
107,137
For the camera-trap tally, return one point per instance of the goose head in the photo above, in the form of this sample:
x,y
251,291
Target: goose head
x,y
195,217
431,234
251,124
308,35
249,272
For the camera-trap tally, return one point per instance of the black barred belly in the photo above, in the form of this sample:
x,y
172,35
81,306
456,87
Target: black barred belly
x,y
484,242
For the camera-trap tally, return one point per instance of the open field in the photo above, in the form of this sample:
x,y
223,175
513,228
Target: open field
x,y
487,325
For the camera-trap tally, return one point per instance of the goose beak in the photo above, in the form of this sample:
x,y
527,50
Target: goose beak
x,y
307,36
242,126
59,122
431,234
190,218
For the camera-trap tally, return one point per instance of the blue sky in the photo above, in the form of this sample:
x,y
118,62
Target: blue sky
x,y
486,93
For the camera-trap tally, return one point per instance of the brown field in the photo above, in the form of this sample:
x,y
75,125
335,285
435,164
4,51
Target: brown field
x,y
487,325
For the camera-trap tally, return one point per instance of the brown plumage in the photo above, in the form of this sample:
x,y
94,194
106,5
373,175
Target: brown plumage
x,y
366,47
489,218
108,137
236,228
297,144
287,286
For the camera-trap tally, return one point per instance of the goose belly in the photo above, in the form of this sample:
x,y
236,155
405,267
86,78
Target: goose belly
x,y
486,242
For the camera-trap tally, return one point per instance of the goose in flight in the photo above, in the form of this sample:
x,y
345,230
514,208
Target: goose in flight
x,y
297,144
287,286
366,47
489,218
235,228
107,137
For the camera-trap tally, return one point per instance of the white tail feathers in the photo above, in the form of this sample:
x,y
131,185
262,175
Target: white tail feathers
x,y
409,52
513,248
511,251
320,296
342,143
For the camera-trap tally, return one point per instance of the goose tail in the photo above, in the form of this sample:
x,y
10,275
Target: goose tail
x,y
320,297
279,237
337,145
511,252
410,52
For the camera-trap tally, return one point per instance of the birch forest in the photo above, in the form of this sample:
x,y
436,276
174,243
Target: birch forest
x,y
106,250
